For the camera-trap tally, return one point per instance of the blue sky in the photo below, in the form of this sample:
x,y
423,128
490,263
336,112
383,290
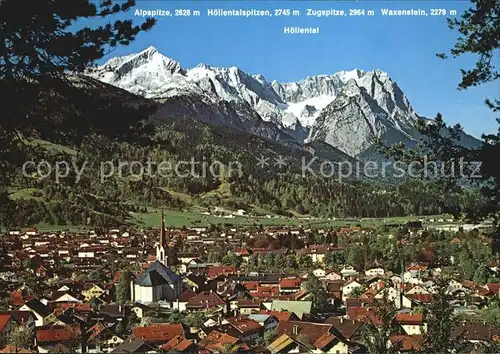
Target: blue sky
x,y
403,46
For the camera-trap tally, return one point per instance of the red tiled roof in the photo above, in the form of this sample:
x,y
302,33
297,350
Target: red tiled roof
x,y
20,301
260,251
301,294
407,343
369,294
335,285
16,294
475,331
410,319
206,299
316,249
494,287
244,324
348,328
363,314
22,317
10,349
241,252
216,341
56,334
425,298
313,331
250,285
116,277
287,283
95,330
352,302
267,290
186,295
177,343
325,339
280,315
158,332
76,307
4,320
222,270
249,303
417,267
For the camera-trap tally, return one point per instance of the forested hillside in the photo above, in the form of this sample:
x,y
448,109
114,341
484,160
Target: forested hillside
x,y
101,197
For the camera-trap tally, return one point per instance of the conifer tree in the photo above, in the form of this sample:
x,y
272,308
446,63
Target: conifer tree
x,y
479,29
43,43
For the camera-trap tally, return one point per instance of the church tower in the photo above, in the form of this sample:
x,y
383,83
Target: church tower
x,y
161,247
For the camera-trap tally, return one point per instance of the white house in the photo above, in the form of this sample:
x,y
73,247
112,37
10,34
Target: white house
x,y
411,278
84,254
183,268
319,273
413,324
348,287
396,297
374,271
348,271
31,232
333,276
67,298
40,310
417,289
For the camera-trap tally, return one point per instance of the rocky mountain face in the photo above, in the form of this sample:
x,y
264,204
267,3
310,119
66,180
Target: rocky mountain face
x,y
363,112
348,110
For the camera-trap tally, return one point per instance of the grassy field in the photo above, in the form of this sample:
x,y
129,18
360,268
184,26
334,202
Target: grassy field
x,y
51,147
175,218
26,193
56,228
193,218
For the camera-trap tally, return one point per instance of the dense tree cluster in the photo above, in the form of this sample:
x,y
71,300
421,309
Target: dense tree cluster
x,y
479,29
94,198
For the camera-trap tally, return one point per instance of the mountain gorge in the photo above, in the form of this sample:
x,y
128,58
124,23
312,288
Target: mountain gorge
x,y
348,110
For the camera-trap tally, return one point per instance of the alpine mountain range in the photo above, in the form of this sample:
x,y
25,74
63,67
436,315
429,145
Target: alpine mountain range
x,y
348,110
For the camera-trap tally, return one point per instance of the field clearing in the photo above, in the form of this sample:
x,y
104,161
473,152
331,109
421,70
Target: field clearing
x,y
195,218
26,193
51,147
192,218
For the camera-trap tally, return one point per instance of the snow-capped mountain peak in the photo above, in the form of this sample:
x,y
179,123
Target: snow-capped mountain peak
x,y
147,73
153,75
150,49
348,75
347,109
203,66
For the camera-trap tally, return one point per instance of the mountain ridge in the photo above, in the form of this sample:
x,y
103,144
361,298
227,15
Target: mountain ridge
x,y
314,108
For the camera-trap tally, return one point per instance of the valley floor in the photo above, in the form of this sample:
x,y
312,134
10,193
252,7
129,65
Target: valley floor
x,y
195,218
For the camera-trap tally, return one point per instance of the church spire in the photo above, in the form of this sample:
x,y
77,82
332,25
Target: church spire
x,y
161,248
163,236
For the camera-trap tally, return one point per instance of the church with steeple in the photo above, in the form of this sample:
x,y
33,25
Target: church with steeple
x,y
158,282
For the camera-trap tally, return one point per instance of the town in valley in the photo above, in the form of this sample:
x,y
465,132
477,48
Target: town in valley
x,y
246,289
